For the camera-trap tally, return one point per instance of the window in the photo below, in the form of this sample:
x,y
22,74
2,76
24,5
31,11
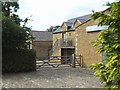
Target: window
x,y
68,27
69,34
64,35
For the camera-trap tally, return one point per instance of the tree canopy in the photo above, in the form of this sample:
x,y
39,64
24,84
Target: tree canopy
x,y
109,43
14,36
52,28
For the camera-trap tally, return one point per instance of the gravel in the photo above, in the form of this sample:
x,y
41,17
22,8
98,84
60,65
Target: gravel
x,y
48,77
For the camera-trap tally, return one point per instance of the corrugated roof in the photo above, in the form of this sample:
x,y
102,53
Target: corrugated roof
x,y
42,35
96,28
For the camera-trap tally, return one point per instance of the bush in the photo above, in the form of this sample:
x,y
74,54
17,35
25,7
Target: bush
x,y
20,60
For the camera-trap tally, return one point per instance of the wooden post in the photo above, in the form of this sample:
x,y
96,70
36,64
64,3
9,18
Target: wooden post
x,y
73,61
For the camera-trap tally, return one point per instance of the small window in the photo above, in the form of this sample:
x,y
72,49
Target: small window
x,y
69,34
69,27
64,35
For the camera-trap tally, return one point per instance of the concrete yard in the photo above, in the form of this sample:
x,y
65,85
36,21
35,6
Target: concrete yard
x,y
61,77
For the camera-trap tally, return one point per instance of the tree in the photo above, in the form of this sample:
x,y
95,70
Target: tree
x,y
14,36
9,7
109,43
53,28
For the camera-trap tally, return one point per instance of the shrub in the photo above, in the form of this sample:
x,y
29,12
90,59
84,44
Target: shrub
x,y
20,60
109,43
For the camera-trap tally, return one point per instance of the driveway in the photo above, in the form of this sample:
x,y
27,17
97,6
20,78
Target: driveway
x,y
62,77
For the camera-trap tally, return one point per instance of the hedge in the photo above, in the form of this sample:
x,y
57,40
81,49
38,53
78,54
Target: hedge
x,y
21,60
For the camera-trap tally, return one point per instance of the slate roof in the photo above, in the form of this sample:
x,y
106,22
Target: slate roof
x,y
82,19
42,35
57,30
70,22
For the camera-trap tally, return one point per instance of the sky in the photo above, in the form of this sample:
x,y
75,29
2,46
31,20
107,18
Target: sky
x,y
46,13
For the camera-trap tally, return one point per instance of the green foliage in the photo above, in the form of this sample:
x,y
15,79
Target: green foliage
x,y
15,41
9,7
14,35
18,60
109,43
53,28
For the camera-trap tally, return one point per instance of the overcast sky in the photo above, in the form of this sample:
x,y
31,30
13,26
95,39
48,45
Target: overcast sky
x,y
46,13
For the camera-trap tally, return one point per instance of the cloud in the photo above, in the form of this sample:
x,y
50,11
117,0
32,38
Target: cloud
x,y
46,13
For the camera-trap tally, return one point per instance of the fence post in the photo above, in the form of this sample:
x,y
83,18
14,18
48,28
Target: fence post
x,y
73,60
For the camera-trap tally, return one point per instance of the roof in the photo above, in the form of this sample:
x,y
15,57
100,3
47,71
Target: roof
x,y
84,18
70,22
57,30
81,18
90,18
42,35
94,28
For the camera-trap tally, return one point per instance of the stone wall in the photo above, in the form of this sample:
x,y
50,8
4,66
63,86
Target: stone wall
x,y
42,48
58,36
85,44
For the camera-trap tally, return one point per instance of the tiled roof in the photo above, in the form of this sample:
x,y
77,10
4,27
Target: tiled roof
x,y
42,35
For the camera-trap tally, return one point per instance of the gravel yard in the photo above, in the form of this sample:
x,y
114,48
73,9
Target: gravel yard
x,y
62,77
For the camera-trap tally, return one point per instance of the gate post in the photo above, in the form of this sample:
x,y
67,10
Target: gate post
x,y
73,61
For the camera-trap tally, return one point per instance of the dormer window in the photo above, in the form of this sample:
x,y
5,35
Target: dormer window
x,y
68,27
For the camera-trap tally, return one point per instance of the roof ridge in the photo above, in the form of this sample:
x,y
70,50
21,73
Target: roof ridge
x,y
42,35
79,16
68,22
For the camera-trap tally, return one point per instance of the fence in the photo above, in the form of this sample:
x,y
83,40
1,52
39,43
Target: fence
x,y
56,61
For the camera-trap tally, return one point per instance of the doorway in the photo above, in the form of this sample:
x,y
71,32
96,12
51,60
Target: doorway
x,y
66,55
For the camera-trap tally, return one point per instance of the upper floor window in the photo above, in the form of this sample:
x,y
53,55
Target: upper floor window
x,y
64,35
69,34
68,27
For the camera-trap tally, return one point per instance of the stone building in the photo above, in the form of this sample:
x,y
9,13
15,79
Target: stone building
x,y
64,38
86,35
77,36
42,43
